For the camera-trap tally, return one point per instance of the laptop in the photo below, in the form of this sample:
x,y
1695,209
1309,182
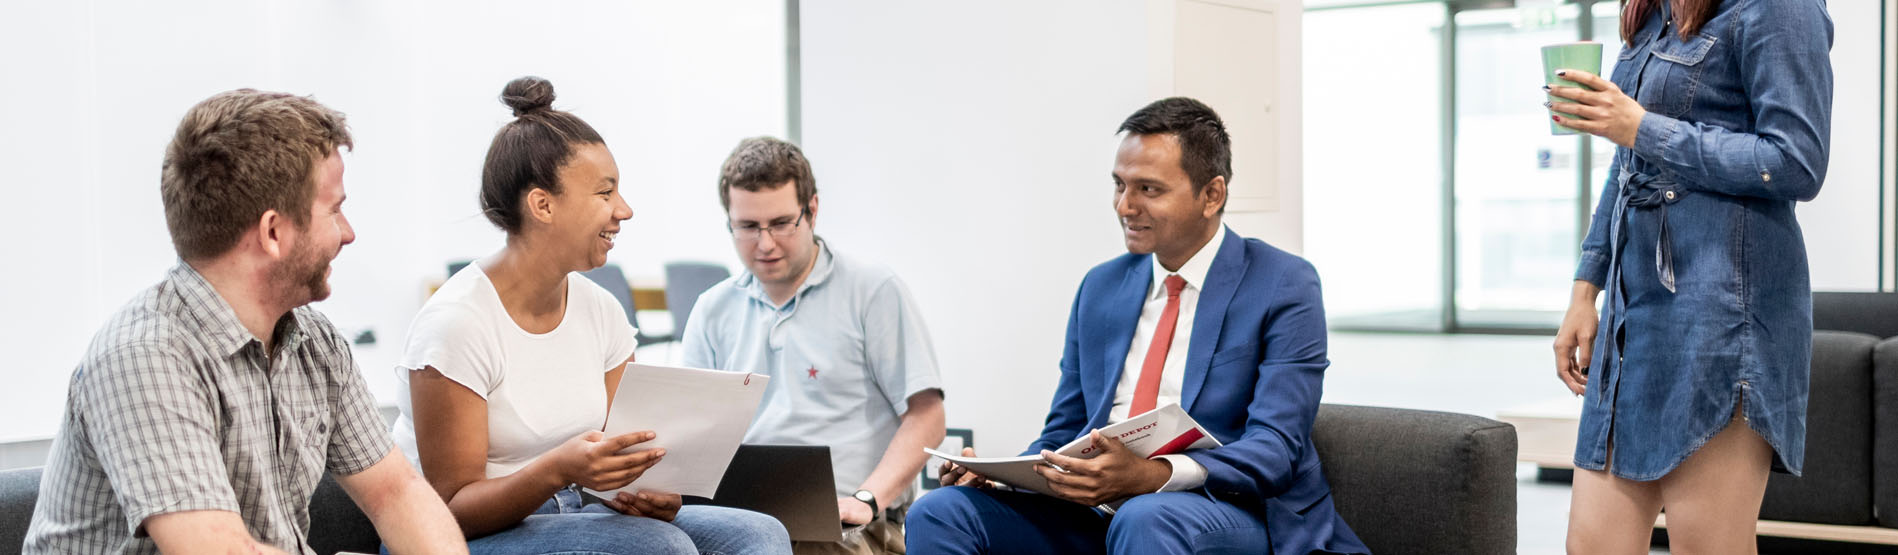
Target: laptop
x,y
790,482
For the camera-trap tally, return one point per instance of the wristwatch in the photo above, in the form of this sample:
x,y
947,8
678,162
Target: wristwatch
x,y
870,499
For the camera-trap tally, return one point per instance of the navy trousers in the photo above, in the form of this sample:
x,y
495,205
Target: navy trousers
x,y
964,520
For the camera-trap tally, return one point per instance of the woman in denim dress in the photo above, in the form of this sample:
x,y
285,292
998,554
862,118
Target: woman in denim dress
x,y
1694,376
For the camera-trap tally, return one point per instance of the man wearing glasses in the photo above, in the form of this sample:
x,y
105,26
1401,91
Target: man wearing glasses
x,y
850,359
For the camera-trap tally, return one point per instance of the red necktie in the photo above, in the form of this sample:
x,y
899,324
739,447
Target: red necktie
x,y
1147,390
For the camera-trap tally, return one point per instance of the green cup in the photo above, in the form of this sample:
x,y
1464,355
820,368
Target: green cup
x,y
1584,55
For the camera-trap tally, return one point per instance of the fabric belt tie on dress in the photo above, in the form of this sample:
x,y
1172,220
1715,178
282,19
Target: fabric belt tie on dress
x,y
1645,192
1658,199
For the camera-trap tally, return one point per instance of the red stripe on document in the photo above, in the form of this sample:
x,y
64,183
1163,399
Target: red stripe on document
x,y
1178,444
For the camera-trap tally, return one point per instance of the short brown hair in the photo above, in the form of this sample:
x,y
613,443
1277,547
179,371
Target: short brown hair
x,y
237,155
761,163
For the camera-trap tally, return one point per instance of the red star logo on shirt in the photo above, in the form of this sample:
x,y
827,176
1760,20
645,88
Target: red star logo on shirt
x,y
813,371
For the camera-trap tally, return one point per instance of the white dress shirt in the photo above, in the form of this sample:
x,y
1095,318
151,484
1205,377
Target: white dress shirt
x,y
1187,473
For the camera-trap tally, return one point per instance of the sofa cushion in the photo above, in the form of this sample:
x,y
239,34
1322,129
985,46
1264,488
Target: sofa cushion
x,y
1885,426
1412,481
1837,484
19,489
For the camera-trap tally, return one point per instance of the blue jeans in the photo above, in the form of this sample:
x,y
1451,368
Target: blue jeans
x,y
960,520
566,525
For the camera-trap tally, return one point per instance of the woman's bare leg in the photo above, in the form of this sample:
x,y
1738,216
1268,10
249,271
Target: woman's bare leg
x,y
1610,515
1713,498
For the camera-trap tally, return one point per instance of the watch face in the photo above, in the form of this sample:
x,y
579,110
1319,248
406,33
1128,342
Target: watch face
x,y
866,497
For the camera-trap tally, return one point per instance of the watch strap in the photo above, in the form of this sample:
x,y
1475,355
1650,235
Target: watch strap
x,y
870,499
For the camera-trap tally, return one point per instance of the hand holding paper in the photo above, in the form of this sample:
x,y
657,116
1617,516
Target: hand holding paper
x,y
1113,474
595,461
697,418
953,474
1167,430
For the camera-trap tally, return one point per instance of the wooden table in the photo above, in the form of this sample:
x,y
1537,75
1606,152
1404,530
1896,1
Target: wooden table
x,y
1545,430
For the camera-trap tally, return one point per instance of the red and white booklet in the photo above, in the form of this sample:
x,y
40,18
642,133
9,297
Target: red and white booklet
x,y
1167,430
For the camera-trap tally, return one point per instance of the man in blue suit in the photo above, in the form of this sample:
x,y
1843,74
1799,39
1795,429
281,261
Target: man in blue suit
x,y
1230,328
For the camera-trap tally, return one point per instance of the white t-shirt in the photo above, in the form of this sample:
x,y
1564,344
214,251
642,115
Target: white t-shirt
x,y
542,389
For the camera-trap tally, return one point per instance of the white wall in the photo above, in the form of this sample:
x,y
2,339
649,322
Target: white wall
x,y
1842,225
968,146
94,90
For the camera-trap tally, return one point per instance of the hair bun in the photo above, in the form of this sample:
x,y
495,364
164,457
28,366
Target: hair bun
x,y
527,95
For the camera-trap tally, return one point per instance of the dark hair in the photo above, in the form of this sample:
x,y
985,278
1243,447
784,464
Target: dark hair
x,y
1690,15
761,163
527,153
238,154
1205,148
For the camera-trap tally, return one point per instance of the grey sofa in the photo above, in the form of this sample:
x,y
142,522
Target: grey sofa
x,y
1412,481
18,489
1851,466
1407,481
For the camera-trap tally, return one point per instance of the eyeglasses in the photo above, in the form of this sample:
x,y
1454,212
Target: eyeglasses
x,y
779,230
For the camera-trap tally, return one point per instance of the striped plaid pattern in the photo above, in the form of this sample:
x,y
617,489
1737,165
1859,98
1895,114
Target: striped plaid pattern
x,y
176,407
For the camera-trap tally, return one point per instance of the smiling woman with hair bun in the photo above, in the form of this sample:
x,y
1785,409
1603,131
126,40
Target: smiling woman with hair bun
x,y
511,365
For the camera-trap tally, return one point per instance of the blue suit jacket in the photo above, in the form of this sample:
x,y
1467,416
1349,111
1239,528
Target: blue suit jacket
x,y
1255,367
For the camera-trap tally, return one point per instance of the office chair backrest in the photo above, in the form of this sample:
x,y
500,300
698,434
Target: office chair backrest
x,y
614,281
684,282
610,277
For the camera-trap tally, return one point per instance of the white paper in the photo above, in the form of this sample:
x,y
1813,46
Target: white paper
x,y
698,416
1167,430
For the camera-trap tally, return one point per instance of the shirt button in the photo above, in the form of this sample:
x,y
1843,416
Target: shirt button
x,y
1766,176
1670,195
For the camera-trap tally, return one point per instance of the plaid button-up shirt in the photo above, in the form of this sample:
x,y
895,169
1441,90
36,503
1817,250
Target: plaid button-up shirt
x,y
176,407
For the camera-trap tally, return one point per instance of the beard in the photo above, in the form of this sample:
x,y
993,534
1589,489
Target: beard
x,y
304,277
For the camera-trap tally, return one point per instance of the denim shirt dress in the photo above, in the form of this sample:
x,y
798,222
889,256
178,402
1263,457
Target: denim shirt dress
x,y
1707,298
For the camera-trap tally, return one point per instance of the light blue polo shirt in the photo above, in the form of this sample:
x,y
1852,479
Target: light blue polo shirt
x,y
845,354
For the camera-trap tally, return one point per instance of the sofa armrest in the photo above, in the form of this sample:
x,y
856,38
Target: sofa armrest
x,y
1413,481
1885,431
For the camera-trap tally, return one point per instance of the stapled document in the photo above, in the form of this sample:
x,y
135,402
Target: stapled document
x,y
699,417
